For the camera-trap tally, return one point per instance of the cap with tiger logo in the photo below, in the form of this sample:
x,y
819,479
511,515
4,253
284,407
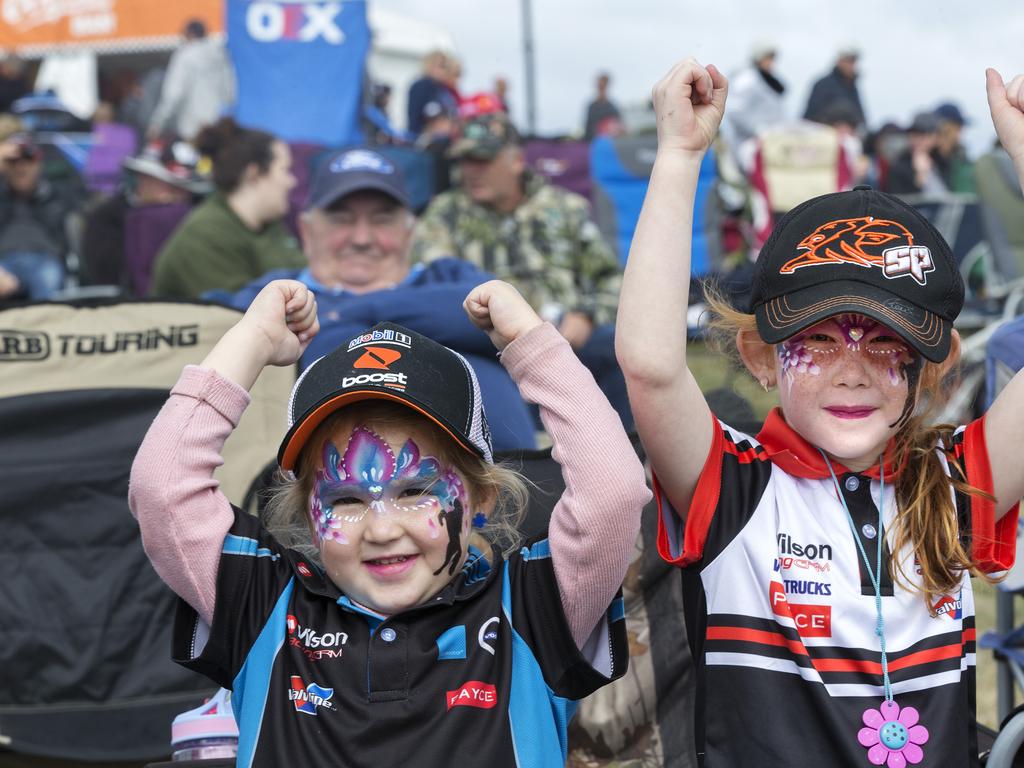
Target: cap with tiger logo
x,y
862,251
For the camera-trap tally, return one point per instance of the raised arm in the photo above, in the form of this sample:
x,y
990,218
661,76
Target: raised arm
x,y
182,514
595,523
671,414
1004,423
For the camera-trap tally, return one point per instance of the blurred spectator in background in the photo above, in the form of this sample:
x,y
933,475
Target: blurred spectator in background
x,y
755,98
198,87
501,92
429,89
157,176
237,233
138,105
13,81
882,148
914,170
452,75
507,220
843,116
602,115
999,190
356,232
380,129
33,223
950,156
839,85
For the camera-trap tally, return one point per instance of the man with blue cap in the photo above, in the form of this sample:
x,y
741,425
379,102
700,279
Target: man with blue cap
x,y
356,231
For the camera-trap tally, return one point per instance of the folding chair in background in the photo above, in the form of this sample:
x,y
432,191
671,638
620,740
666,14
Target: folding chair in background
x,y
564,163
85,622
621,171
146,229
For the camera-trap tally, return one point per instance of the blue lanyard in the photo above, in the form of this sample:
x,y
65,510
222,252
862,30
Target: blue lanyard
x,y
876,575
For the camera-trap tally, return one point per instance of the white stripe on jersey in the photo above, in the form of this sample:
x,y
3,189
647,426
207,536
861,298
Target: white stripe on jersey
x,y
950,677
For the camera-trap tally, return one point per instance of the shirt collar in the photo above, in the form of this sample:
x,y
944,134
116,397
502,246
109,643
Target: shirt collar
x,y
787,448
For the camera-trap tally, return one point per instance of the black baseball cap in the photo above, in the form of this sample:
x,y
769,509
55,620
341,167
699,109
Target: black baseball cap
x,y
865,252
353,170
389,362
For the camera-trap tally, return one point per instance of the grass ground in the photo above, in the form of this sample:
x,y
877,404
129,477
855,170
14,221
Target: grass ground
x,y
713,370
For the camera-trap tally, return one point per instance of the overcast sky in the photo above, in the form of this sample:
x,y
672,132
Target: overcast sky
x,y
915,54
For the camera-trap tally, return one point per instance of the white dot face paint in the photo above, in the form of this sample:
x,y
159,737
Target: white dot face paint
x,y
844,386
369,479
840,340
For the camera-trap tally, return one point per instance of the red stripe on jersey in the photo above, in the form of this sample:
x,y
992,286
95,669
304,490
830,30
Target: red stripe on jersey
x,y
993,542
702,506
747,455
760,636
764,637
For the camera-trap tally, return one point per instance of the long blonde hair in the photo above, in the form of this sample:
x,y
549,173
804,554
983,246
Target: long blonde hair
x,y
287,515
926,517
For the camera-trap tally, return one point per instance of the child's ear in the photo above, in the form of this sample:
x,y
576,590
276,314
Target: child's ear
x,y
758,356
484,501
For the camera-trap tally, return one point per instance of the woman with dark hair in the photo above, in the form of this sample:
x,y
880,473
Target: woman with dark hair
x,y
237,233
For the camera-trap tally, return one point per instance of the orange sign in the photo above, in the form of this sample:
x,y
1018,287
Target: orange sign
x,y
34,27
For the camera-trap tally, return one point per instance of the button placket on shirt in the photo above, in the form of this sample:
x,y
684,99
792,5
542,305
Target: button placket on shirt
x,y
387,663
857,492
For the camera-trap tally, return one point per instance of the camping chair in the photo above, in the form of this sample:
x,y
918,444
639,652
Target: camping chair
x,y
794,163
112,143
86,622
564,163
621,170
146,229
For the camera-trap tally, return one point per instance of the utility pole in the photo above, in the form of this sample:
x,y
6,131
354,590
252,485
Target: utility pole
x,y
531,78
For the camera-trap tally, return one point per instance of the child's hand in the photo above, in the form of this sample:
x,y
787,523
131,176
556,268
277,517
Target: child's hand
x,y
283,315
689,103
1007,105
500,311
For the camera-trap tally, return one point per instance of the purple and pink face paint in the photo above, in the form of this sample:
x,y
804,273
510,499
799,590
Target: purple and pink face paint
x,y
369,478
808,352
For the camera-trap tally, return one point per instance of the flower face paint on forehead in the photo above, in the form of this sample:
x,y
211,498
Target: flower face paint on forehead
x,y
822,344
368,477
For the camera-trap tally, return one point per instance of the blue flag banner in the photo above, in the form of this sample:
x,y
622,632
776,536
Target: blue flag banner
x,y
299,66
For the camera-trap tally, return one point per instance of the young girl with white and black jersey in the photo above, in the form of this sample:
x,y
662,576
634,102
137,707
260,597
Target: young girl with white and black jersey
x,y
826,561
403,635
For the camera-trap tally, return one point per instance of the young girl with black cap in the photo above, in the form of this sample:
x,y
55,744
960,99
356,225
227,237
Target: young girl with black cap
x,y
826,561
402,635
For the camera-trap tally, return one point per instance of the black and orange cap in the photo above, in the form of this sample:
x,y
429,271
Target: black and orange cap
x,y
862,251
389,362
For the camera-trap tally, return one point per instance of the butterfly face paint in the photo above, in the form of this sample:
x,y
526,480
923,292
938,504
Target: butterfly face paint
x,y
853,338
369,479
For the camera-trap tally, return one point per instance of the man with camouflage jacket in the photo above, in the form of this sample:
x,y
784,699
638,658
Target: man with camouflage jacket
x,y
508,221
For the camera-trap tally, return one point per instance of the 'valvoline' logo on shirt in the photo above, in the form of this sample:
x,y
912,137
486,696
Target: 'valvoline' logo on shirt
x,y
308,697
949,606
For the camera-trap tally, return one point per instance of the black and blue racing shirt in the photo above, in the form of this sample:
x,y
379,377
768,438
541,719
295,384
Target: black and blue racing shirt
x,y
485,673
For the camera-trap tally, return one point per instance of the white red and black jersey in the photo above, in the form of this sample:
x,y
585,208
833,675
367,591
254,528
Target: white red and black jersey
x,y
486,673
781,609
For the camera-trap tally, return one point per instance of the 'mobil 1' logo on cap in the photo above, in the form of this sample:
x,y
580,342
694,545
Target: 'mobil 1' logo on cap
x,y
864,242
386,336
